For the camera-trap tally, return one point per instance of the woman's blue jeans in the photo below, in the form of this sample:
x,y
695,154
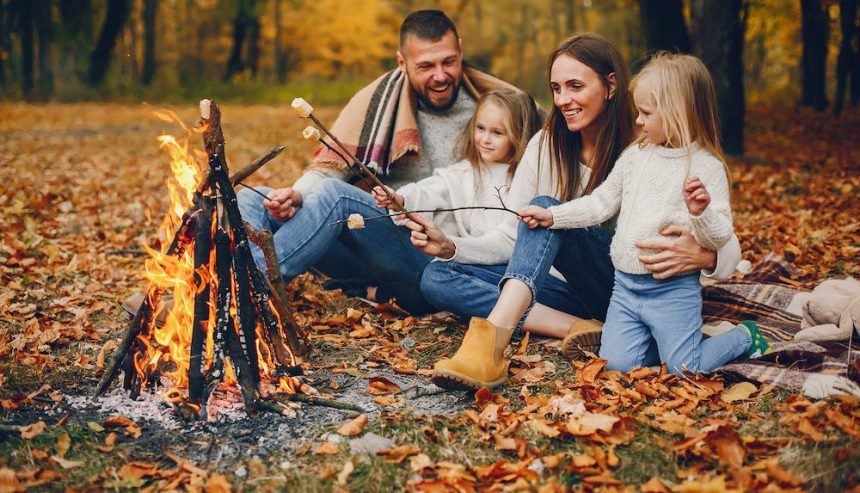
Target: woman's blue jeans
x,y
472,290
652,320
379,253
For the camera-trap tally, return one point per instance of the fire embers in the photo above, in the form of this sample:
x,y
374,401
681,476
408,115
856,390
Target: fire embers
x,y
228,323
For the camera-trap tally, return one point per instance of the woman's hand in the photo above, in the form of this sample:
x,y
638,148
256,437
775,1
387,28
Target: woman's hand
x,y
534,216
678,254
428,238
383,199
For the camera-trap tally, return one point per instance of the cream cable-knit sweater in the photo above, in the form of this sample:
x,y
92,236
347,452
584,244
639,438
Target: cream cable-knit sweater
x,y
646,185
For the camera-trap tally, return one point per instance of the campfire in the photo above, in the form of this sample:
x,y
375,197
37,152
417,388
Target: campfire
x,y
230,324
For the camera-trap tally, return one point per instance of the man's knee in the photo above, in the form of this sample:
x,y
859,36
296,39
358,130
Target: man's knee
x,y
544,201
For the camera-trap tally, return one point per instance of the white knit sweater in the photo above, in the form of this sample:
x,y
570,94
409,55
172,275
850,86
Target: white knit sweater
x,y
646,184
456,186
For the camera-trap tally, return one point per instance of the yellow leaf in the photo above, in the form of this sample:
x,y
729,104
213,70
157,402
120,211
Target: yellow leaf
x,y
95,426
217,483
67,464
348,467
738,392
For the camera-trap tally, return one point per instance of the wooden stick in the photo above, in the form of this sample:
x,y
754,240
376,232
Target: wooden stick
x,y
200,326
319,401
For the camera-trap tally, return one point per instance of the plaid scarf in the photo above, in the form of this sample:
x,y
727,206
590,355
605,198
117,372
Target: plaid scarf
x,y
379,125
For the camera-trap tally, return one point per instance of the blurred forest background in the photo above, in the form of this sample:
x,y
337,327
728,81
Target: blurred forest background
x,y
791,51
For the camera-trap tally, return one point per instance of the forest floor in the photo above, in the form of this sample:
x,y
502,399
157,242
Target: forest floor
x,y
82,186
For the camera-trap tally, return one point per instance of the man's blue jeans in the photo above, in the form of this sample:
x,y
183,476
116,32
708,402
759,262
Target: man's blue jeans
x,y
581,255
381,252
652,321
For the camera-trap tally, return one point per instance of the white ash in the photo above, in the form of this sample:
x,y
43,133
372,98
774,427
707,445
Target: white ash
x,y
148,407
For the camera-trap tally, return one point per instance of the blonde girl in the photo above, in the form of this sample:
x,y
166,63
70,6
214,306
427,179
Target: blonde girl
x,y
674,174
490,148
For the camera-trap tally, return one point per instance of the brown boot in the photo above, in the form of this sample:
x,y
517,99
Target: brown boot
x,y
583,340
133,303
479,362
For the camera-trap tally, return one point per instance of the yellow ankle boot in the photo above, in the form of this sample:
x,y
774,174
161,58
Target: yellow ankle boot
x,y
479,362
582,340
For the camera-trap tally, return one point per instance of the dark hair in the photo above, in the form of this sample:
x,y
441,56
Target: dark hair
x,y
615,121
428,25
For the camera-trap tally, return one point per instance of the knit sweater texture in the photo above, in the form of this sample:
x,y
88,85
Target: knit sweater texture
x,y
646,184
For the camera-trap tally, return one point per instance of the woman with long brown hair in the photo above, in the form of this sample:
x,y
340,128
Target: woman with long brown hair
x,y
556,282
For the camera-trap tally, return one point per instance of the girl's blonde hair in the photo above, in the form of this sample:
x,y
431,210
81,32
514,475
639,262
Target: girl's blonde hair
x,y
683,92
523,121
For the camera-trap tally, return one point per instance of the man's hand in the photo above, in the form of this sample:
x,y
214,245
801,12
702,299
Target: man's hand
x,y
678,254
535,216
283,203
383,201
696,196
428,238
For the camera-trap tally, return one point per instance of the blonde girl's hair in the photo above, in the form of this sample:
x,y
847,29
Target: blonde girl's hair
x,y
615,121
682,90
523,121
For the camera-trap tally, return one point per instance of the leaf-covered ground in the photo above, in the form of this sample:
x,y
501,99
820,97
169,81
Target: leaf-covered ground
x,y
82,186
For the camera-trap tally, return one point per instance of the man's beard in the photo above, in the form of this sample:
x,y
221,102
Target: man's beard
x,y
455,91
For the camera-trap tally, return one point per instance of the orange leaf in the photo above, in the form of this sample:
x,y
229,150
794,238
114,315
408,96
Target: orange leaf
x,y
30,431
654,485
354,427
591,370
9,481
218,483
382,386
399,454
64,441
327,448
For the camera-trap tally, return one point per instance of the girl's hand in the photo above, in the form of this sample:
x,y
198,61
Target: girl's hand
x,y
283,203
428,238
534,216
696,196
382,199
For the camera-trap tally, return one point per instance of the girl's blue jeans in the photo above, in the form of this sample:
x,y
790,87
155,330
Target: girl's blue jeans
x,y
651,320
379,253
472,290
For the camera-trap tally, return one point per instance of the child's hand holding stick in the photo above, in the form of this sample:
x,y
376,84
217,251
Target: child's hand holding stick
x,y
696,196
383,197
534,216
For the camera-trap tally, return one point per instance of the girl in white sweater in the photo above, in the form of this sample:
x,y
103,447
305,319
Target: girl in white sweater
x,y
674,174
491,146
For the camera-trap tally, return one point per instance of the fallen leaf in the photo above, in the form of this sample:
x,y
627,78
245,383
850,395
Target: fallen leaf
x,y
67,464
399,454
348,467
9,481
327,448
30,431
382,386
654,485
95,426
64,441
784,477
353,427
218,483
589,372
738,392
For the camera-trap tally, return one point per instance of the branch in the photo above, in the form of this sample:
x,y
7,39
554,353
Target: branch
x,y
395,214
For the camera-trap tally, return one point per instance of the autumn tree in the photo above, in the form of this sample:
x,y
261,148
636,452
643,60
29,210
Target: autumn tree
x,y
117,14
719,41
664,26
815,32
45,35
847,65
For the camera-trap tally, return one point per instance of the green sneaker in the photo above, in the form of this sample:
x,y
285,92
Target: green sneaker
x,y
759,346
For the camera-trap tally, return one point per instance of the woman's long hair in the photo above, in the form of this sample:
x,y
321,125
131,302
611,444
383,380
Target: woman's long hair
x,y
615,120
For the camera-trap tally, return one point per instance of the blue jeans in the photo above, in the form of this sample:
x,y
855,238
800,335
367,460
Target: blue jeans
x,y
472,290
381,251
652,321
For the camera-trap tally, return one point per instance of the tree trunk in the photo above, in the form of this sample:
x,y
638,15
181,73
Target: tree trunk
x,y
45,36
570,18
844,72
718,25
246,24
117,15
664,26
280,66
4,41
150,9
815,31
76,25
24,11
253,51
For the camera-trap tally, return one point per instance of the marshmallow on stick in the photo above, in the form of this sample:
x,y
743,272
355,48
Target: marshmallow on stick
x,y
311,133
302,108
355,221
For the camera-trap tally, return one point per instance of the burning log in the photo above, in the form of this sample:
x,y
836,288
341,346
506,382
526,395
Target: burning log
x,y
202,249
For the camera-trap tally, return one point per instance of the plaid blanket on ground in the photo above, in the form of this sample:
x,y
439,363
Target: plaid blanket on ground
x,y
379,124
817,369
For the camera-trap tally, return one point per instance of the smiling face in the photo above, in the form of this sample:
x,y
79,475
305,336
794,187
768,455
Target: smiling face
x,y
434,68
492,133
648,118
578,92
